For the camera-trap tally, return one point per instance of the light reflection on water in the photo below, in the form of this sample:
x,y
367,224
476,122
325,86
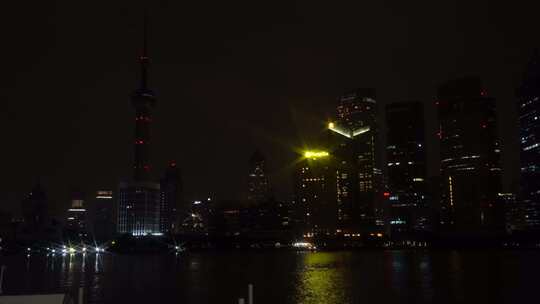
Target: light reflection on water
x,y
391,276
323,279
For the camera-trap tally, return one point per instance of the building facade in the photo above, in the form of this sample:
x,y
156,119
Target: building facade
x,y
103,214
316,210
408,210
77,216
139,209
258,187
470,159
170,199
529,133
356,147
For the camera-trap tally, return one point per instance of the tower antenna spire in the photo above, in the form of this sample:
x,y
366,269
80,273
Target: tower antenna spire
x,y
144,59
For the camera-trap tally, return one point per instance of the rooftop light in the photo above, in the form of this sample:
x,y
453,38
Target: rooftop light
x,y
315,154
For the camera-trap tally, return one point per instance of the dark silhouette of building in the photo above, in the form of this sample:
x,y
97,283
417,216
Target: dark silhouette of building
x,y
406,165
7,227
37,224
139,199
170,199
263,212
103,215
35,209
258,187
355,146
316,211
514,212
470,159
529,133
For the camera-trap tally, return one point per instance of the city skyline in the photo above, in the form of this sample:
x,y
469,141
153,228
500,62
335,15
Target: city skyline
x,y
79,161
313,152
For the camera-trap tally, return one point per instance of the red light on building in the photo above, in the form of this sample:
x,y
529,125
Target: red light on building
x,y
386,194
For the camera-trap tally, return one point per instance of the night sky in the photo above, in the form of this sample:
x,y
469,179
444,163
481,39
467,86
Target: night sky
x,y
230,77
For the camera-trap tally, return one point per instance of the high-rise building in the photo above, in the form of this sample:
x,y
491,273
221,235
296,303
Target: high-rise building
x,y
139,199
529,133
76,217
258,188
138,208
355,145
34,209
406,165
263,212
316,210
170,199
198,217
36,223
470,159
514,212
103,215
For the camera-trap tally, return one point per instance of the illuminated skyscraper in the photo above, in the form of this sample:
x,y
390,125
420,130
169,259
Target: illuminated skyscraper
x,y
77,215
258,188
139,199
316,209
355,145
406,162
470,158
170,199
529,132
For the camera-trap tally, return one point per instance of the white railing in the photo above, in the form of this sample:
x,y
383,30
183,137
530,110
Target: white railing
x,y
250,296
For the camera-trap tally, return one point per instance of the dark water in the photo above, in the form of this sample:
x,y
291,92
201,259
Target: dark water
x,y
286,277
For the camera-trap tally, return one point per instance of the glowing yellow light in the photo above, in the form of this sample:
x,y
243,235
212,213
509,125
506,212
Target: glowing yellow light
x,y
315,154
379,234
334,128
360,131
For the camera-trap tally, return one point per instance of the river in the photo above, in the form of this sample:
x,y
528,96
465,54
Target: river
x,y
391,276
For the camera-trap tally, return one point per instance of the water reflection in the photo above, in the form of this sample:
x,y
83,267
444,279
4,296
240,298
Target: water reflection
x,y
322,279
425,276
456,272
287,278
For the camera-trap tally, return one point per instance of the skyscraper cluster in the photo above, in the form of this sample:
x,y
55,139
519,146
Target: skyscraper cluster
x,y
343,188
366,175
